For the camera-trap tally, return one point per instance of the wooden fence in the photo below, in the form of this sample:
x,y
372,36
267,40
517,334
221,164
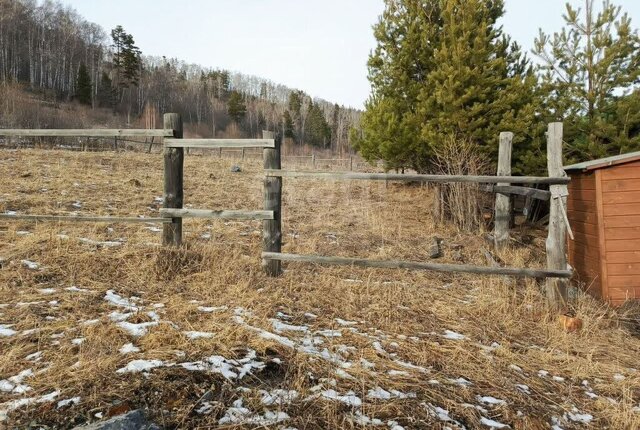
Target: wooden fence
x,y
172,213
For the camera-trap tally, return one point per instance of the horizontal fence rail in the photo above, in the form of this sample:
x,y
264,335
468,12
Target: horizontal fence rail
x,y
434,267
96,132
79,218
219,143
417,177
220,214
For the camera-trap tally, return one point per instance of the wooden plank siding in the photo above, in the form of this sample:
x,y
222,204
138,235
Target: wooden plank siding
x,y
620,228
584,250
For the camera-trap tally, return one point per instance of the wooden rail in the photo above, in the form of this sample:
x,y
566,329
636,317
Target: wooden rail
x,y
219,143
78,218
220,214
417,177
95,132
435,267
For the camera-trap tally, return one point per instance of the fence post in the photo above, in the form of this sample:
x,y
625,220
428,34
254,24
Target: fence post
x,y
173,180
502,217
272,234
556,288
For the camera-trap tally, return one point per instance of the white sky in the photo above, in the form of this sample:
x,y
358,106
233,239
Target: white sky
x,y
319,46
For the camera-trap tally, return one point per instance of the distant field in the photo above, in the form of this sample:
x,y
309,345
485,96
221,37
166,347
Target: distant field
x,y
98,319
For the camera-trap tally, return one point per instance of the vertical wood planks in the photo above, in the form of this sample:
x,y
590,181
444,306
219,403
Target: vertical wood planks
x,y
173,181
272,234
556,289
503,202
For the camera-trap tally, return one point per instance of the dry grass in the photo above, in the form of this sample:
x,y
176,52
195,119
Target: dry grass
x,y
406,312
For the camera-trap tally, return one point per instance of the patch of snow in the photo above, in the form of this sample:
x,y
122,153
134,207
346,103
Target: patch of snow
x,y
128,348
67,402
558,378
140,366
523,388
47,290
279,327
619,377
210,309
6,331
238,414
78,341
362,420
193,335
136,330
30,264
488,400
329,333
117,300
516,368
577,417
349,398
96,243
493,424
35,357
278,397
452,335
461,381
345,323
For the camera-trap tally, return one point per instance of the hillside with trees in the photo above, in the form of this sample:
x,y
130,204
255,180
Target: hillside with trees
x,y
53,62
445,69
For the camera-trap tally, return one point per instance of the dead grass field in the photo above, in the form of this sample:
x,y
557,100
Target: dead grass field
x,y
211,342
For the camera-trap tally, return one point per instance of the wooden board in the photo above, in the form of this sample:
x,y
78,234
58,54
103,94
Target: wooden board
x,y
623,257
436,267
621,209
590,217
622,233
621,185
219,143
626,171
96,132
622,245
582,182
621,295
580,205
624,269
221,214
416,178
621,197
622,221
585,228
580,194
74,218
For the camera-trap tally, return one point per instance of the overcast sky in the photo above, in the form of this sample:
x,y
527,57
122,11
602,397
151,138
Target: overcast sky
x,y
319,46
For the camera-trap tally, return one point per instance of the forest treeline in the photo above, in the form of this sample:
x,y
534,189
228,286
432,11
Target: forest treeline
x,y
445,70
52,52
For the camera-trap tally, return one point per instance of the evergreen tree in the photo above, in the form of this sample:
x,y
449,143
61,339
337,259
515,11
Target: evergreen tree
x,y
585,68
482,84
318,132
126,58
106,93
289,131
443,68
236,107
83,85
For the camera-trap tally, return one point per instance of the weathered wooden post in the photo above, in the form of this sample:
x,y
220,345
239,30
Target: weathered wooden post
x,y
350,162
502,216
556,288
173,180
272,234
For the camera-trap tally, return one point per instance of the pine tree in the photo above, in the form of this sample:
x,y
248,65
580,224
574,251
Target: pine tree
x,y
443,68
236,107
288,125
83,85
586,66
407,34
106,93
481,85
318,132
126,58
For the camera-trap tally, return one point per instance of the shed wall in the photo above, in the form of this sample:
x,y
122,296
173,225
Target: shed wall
x,y
620,188
584,251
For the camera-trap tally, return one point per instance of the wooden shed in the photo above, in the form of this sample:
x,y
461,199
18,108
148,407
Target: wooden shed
x,y
603,208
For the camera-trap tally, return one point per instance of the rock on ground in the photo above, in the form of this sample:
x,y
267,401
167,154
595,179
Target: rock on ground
x,y
134,420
